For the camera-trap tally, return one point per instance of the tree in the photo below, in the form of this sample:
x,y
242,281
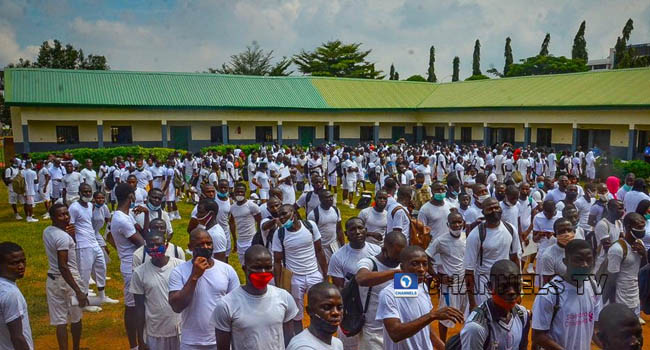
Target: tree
x,y
392,72
579,50
625,56
541,65
335,59
494,72
477,77
431,77
456,63
476,63
60,57
254,61
396,76
416,77
508,55
544,50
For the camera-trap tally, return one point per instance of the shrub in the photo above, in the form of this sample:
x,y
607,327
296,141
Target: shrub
x,y
639,167
223,148
99,155
477,77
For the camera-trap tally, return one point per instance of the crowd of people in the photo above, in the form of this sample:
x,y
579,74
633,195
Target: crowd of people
x,y
480,227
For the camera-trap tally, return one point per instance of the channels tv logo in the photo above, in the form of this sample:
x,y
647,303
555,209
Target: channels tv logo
x,y
406,285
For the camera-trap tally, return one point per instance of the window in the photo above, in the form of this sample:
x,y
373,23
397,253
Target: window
x,y
397,132
216,134
642,140
507,135
466,134
67,134
439,133
263,134
337,133
121,134
365,133
544,137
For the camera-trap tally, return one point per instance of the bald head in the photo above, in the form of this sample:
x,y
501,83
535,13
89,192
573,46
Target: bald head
x,y
504,267
395,238
256,252
320,291
620,328
199,234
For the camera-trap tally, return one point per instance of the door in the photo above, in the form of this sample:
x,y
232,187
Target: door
x,y
180,137
398,132
306,135
601,140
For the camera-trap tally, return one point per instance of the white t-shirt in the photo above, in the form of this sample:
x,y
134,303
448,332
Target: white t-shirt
x,y
172,251
376,326
399,220
406,310
556,195
82,219
510,214
299,251
153,282
153,214
288,194
451,252
30,187
435,217
632,200
551,263
143,177
140,196
99,218
314,201
327,223
223,217
215,283
345,261
307,341
263,179
472,214
219,239
375,222
89,176
56,240
498,245
627,282
502,336
255,321
123,227
71,182
573,325
13,306
544,224
245,219
605,229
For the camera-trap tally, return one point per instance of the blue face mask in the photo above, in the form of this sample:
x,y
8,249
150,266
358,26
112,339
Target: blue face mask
x,y
132,205
222,195
288,224
627,187
419,186
153,208
647,216
98,205
454,193
540,185
439,196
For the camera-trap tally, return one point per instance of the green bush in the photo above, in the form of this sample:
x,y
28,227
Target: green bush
x,y
477,77
99,155
223,148
639,167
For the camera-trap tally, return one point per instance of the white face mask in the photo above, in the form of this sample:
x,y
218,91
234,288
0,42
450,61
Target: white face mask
x,y
482,198
240,198
455,233
87,199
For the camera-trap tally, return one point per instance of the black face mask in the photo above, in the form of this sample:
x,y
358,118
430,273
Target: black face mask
x,y
323,325
571,196
202,252
493,218
638,234
500,196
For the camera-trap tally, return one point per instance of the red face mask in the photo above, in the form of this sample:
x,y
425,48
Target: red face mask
x,y
502,303
260,279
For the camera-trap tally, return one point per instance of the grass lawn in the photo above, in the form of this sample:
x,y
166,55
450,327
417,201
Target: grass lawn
x,y
104,330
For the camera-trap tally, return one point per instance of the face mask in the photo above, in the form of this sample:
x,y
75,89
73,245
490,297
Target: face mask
x,y
571,196
638,234
98,205
419,186
455,233
439,196
157,253
500,197
240,198
86,199
481,199
530,199
627,187
493,218
259,280
132,205
579,273
152,207
502,303
140,168
202,252
454,193
647,216
222,195
540,185
323,325
288,224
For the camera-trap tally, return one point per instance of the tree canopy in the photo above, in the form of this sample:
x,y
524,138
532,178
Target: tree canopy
x,y
416,77
254,61
540,65
431,72
335,59
625,56
476,62
543,51
456,69
579,50
62,57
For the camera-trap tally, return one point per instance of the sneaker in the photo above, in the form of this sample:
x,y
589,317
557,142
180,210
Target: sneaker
x,y
346,202
91,281
351,206
92,309
642,321
46,216
31,219
108,300
18,217
530,269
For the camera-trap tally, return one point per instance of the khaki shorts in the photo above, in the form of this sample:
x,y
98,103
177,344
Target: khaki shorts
x,y
58,302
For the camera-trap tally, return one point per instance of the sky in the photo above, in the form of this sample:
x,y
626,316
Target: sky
x,y
193,35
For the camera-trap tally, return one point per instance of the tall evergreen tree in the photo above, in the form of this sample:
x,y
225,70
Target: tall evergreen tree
x,y
454,76
396,76
476,61
432,59
508,56
622,56
336,59
544,50
392,72
579,50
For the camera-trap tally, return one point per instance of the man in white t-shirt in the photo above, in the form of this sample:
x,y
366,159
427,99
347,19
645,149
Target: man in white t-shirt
x,y
255,316
608,230
350,170
89,175
325,308
140,255
297,245
434,212
14,199
31,186
332,177
373,275
499,319
398,218
412,316
195,287
63,282
636,195
144,176
127,240
566,315
71,181
247,217
344,262
543,227
551,263
328,219
15,331
150,289
499,242
309,199
375,219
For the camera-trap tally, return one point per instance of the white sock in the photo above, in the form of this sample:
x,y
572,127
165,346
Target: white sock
x,y
101,294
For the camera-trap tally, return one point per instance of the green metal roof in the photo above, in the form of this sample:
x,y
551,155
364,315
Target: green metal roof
x,y
626,87
614,88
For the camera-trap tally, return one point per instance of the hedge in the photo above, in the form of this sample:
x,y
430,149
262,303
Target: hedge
x,y
99,155
223,148
640,168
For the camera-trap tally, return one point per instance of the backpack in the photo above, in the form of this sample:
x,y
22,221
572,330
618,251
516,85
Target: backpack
x,y
178,180
608,290
258,239
482,233
110,180
562,165
339,170
354,313
317,213
419,233
18,183
454,343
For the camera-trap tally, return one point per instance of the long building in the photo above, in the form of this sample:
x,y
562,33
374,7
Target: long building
x,y
57,109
